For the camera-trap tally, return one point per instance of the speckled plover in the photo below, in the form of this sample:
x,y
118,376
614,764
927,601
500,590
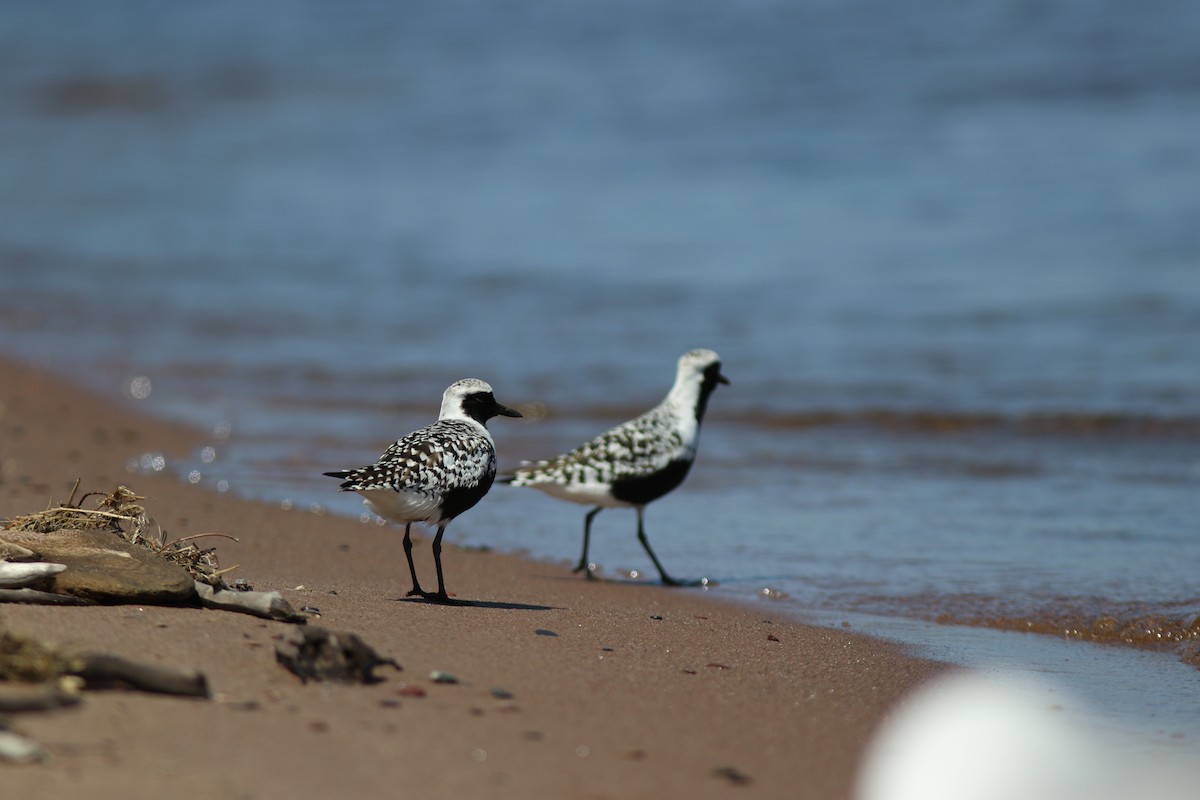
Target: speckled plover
x,y
636,462
436,473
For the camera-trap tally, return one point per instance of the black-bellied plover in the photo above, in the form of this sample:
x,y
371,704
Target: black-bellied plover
x,y
435,473
636,462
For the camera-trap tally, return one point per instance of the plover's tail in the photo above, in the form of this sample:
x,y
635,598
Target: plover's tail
x,y
346,477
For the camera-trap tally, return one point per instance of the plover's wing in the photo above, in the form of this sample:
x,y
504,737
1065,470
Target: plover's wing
x,y
634,449
446,455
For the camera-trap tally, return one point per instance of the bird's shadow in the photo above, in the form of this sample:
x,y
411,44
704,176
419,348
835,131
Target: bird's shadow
x,y
454,601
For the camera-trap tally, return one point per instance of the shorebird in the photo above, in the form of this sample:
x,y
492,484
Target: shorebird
x,y
636,462
435,473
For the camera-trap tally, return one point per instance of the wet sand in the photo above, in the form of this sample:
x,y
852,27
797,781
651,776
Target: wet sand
x,y
617,689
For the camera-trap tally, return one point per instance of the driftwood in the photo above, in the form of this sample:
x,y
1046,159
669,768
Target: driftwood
x,y
103,671
15,552
44,696
270,605
38,597
18,574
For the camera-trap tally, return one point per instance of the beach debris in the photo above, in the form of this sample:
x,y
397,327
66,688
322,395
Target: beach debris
x,y
270,605
502,694
24,659
315,653
15,552
545,632
44,696
103,671
732,774
121,513
411,691
38,597
108,554
438,676
105,568
19,574
16,748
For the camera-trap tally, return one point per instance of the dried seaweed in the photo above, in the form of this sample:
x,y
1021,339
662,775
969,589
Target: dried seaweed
x,y
26,660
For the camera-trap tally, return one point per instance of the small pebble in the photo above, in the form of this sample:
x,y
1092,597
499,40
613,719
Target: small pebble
x,y
246,705
732,774
411,691
772,637
545,632
656,616
502,694
437,676
715,665
388,702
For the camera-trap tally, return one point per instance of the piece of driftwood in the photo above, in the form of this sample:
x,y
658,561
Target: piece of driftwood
x,y
270,605
44,696
104,671
314,653
18,574
15,552
38,597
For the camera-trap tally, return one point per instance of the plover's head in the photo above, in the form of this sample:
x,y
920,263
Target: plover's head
x,y
704,365
472,398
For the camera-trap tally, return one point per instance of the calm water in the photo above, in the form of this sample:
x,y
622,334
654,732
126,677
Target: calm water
x,y
949,253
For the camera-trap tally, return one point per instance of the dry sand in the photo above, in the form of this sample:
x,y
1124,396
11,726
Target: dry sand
x,y
618,690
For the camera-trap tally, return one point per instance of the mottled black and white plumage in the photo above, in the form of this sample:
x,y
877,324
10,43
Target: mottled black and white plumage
x,y
436,473
636,462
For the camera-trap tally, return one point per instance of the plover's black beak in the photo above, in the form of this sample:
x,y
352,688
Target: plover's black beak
x,y
722,379
505,411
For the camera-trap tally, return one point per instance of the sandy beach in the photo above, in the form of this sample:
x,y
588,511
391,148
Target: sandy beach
x,y
609,689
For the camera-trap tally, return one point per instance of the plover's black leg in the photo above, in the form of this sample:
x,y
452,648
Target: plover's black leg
x,y
437,561
667,580
584,566
416,589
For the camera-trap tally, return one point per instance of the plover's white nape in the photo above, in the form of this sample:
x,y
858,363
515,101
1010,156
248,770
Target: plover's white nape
x,y
636,462
436,473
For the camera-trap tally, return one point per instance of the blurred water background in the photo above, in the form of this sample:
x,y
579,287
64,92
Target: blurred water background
x,y
950,254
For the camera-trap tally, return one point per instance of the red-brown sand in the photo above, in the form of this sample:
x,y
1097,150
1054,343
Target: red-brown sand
x,y
641,691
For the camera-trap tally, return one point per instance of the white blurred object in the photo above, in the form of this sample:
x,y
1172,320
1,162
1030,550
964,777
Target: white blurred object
x,y
977,736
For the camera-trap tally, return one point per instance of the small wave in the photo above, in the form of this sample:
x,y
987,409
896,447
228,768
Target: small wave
x,y
1067,423
1164,626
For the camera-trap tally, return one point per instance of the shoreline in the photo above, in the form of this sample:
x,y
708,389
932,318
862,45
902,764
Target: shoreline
x,y
617,689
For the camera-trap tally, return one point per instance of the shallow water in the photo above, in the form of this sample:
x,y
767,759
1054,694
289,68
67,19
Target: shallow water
x,y
948,254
